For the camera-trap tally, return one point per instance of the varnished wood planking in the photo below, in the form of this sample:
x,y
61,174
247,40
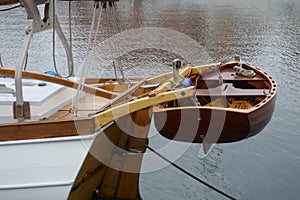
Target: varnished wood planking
x,y
88,104
260,118
110,180
7,2
45,129
142,119
93,170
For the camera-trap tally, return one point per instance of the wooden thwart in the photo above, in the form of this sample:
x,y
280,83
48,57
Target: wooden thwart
x,y
229,90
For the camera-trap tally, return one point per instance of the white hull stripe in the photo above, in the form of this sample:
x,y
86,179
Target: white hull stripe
x,y
35,185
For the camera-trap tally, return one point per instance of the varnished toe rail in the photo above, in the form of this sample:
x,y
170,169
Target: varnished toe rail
x,y
58,80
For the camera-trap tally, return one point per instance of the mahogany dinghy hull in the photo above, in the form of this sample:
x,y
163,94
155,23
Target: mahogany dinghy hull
x,y
233,103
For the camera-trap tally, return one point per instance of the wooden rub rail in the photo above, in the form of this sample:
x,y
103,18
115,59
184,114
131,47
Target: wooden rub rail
x,y
8,2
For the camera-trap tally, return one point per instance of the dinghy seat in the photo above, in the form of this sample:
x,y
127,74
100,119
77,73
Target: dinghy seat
x,y
240,105
237,104
227,89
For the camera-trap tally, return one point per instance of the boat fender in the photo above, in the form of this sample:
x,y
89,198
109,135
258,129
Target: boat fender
x,y
177,64
42,84
53,73
186,82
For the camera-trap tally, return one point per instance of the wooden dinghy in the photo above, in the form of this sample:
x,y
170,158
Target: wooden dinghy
x,y
233,101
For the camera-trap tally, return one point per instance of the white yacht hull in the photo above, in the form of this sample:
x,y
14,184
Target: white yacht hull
x,y
41,168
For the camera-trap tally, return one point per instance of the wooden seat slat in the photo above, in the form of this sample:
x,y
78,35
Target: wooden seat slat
x,y
228,75
229,90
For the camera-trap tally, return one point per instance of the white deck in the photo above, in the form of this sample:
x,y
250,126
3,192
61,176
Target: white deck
x,y
44,100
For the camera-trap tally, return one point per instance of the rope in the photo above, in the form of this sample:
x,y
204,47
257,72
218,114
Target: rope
x,y
183,170
53,38
10,8
115,29
98,25
1,65
70,31
110,46
53,41
84,66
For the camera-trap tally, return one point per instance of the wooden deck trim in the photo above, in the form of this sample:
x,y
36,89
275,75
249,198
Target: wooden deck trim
x,y
60,81
46,129
8,2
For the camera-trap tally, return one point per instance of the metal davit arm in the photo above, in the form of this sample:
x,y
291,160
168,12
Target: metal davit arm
x,y
19,109
35,24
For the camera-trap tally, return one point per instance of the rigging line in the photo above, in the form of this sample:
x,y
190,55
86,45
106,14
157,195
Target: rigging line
x,y
54,46
1,65
183,170
70,31
10,8
91,29
98,26
133,14
110,45
53,37
115,28
83,67
113,33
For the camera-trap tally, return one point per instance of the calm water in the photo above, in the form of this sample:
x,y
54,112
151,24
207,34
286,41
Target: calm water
x,y
265,33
